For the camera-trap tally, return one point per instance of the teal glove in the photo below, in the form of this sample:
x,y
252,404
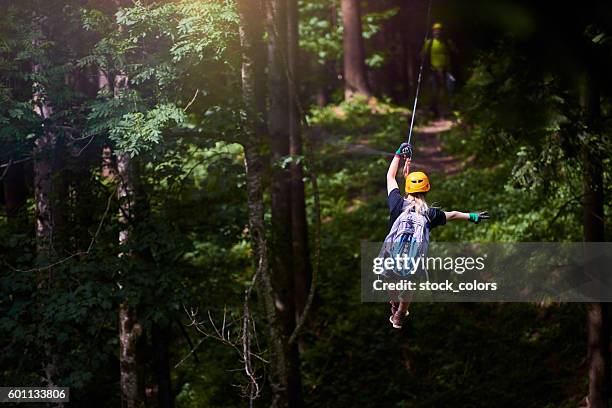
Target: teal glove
x,y
405,150
476,217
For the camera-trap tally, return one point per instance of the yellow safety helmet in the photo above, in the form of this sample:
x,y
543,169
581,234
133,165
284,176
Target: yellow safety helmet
x,y
417,182
437,26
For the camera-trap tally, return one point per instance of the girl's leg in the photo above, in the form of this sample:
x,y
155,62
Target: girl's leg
x,y
405,300
393,300
402,309
396,318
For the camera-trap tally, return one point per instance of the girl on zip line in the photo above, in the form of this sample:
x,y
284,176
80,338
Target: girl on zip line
x,y
411,219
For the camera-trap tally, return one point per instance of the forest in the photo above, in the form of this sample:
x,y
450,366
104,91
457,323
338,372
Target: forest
x,y
186,187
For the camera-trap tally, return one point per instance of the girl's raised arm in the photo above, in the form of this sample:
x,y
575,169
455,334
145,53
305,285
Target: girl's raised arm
x,y
402,151
391,173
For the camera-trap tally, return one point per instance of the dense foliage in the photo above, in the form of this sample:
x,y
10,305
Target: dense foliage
x,y
519,139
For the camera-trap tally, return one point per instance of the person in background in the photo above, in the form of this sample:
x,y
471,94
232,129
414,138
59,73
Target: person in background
x,y
437,53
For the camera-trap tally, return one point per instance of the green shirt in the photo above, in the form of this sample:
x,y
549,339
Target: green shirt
x,y
439,54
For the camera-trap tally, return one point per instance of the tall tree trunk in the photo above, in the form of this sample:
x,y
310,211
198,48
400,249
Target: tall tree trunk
x,y
44,154
593,222
130,330
277,305
45,198
299,227
355,78
131,379
282,249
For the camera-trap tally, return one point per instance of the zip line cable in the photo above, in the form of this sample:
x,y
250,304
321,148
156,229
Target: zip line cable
x,y
418,87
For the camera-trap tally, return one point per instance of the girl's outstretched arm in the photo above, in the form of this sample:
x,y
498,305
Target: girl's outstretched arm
x,y
474,217
456,215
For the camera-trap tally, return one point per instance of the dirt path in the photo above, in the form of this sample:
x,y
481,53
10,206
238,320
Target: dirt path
x,y
429,155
